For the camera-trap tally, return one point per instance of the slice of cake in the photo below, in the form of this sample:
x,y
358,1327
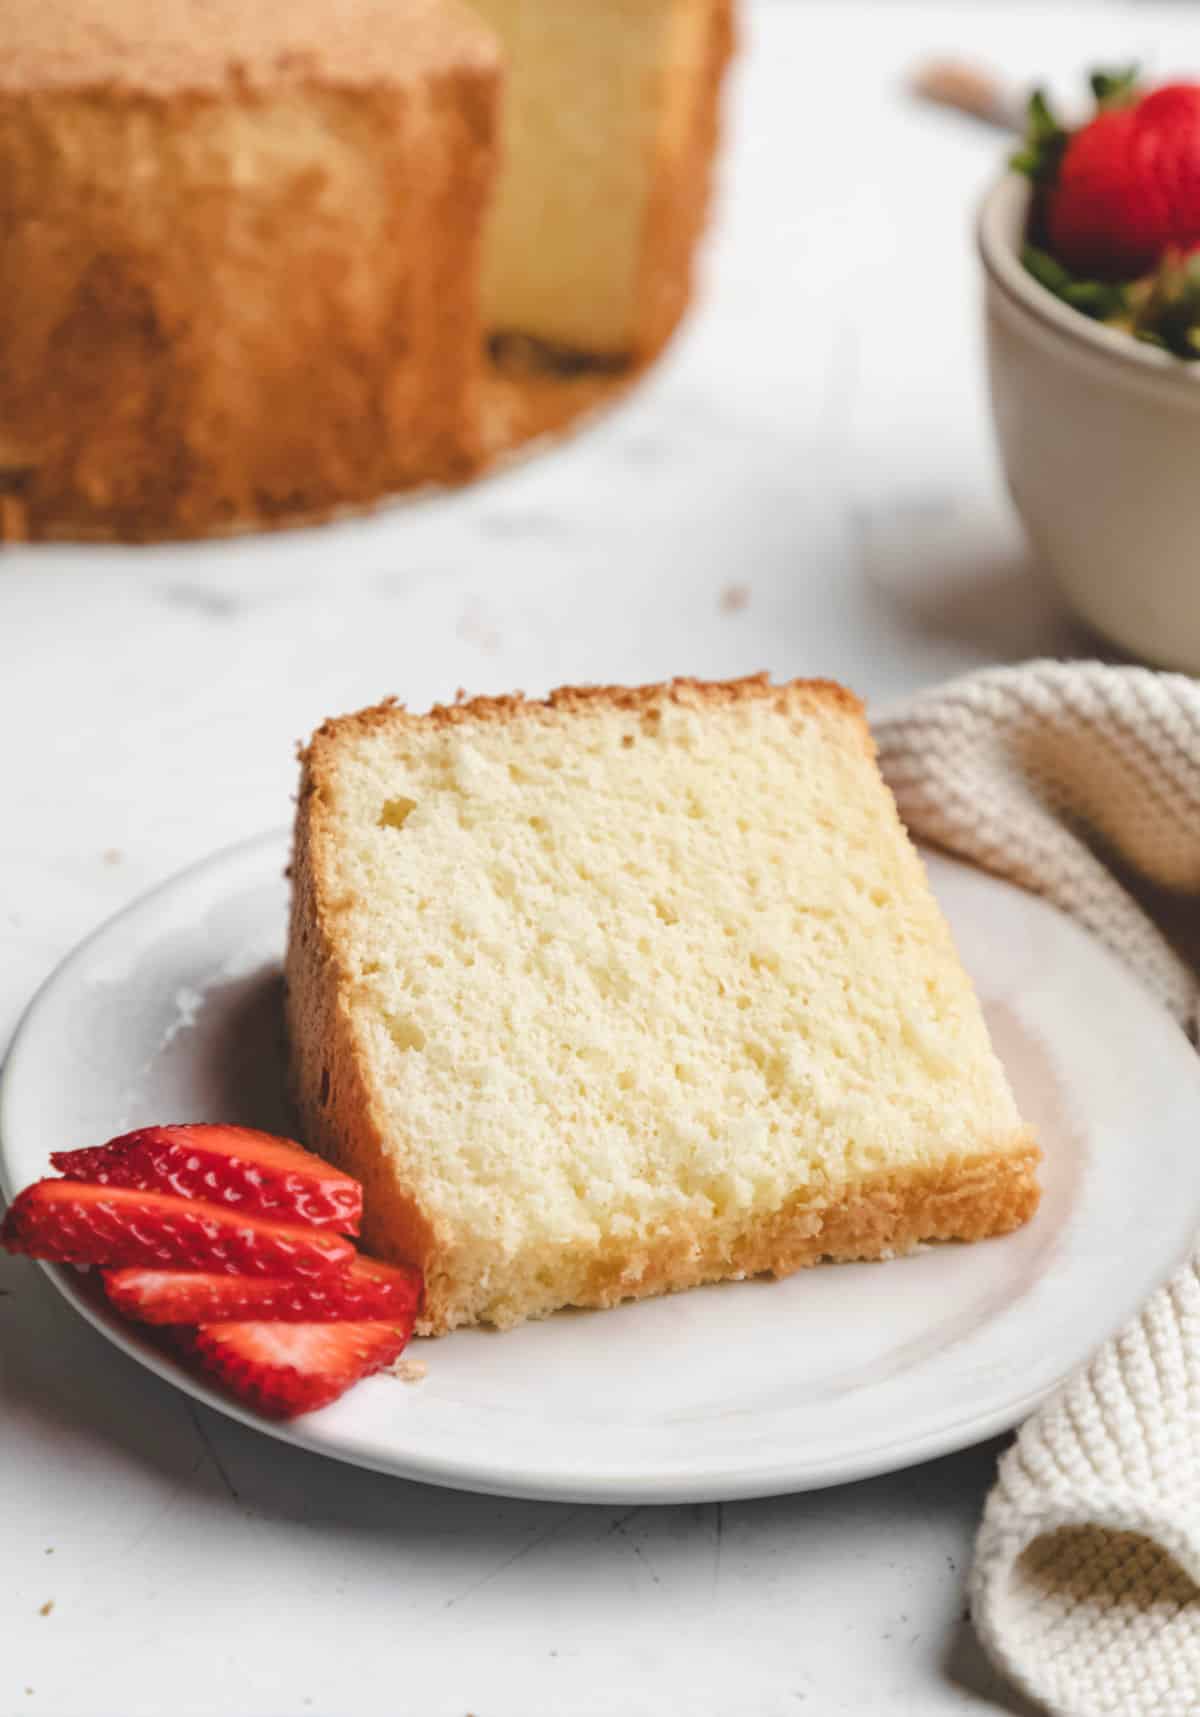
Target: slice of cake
x,y
239,276
632,990
608,134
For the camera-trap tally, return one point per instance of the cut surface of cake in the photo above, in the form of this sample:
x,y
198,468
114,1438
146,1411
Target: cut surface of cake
x,y
632,990
608,133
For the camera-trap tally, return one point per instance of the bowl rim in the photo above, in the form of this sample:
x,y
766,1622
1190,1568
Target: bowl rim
x,y
999,226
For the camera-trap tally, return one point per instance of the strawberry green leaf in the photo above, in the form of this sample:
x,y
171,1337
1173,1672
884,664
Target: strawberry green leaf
x,y
1162,311
1099,299
1043,126
1115,88
1168,311
1044,142
1045,269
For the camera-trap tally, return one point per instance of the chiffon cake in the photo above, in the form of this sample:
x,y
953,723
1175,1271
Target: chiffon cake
x,y
264,264
631,990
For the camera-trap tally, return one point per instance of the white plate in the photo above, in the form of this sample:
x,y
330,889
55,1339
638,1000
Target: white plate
x,y
172,1012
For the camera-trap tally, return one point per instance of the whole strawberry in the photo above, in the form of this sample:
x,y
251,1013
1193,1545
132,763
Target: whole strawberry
x,y
1127,187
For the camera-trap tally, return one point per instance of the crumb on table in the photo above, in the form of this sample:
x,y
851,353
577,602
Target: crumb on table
x,y
409,1370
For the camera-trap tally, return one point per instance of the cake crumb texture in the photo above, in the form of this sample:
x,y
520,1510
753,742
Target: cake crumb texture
x,y
630,990
609,131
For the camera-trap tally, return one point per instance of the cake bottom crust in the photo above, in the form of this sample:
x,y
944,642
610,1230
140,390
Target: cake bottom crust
x,y
522,411
882,1216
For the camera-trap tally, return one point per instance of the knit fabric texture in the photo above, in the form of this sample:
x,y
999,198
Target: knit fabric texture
x,y
1082,783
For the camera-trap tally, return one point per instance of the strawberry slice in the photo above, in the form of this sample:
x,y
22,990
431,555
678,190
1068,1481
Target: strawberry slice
x,y
367,1290
287,1369
252,1172
73,1222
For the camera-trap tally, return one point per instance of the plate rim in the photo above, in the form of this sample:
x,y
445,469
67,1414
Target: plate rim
x,y
746,1478
744,1482
75,955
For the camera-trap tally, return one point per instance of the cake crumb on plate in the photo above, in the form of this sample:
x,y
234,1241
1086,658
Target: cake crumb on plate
x,y
409,1370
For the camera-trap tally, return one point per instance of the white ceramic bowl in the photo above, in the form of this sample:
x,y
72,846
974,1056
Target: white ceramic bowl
x,y
1100,436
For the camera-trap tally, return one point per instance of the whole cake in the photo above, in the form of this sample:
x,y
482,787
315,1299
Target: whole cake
x,y
253,258
632,990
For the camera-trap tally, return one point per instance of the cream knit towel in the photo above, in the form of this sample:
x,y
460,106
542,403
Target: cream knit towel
x,y
1086,1583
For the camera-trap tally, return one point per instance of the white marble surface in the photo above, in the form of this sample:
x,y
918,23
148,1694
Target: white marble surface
x,y
806,484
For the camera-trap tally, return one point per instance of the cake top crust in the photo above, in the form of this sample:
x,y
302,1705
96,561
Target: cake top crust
x,y
156,49
694,693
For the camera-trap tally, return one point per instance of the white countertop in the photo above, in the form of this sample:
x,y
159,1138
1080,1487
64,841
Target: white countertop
x,y
805,484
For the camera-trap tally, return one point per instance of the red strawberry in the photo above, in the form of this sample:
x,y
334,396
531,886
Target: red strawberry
x,y
1127,188
251,1172
286,1369
368,1289
72,1222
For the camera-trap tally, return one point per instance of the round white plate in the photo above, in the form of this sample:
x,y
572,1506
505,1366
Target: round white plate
x,y
172,1012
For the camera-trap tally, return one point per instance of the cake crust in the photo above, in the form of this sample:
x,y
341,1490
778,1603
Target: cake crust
x,y
990,1191
169,50
150,383
244,246
885,1217
681,191
683,690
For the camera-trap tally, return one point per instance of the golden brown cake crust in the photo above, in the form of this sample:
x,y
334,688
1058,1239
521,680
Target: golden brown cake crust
x,y
161,50
516,412
684,690
337,1108
224,310
137,401
682,189
884,1217
990,1192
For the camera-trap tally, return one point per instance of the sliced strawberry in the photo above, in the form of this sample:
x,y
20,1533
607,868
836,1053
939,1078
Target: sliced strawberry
x,y
72,1222
287,1369
367,1290
248,1171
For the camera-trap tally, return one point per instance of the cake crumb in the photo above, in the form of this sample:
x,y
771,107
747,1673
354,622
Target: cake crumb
x,y
409,1370
46,1607
734,598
